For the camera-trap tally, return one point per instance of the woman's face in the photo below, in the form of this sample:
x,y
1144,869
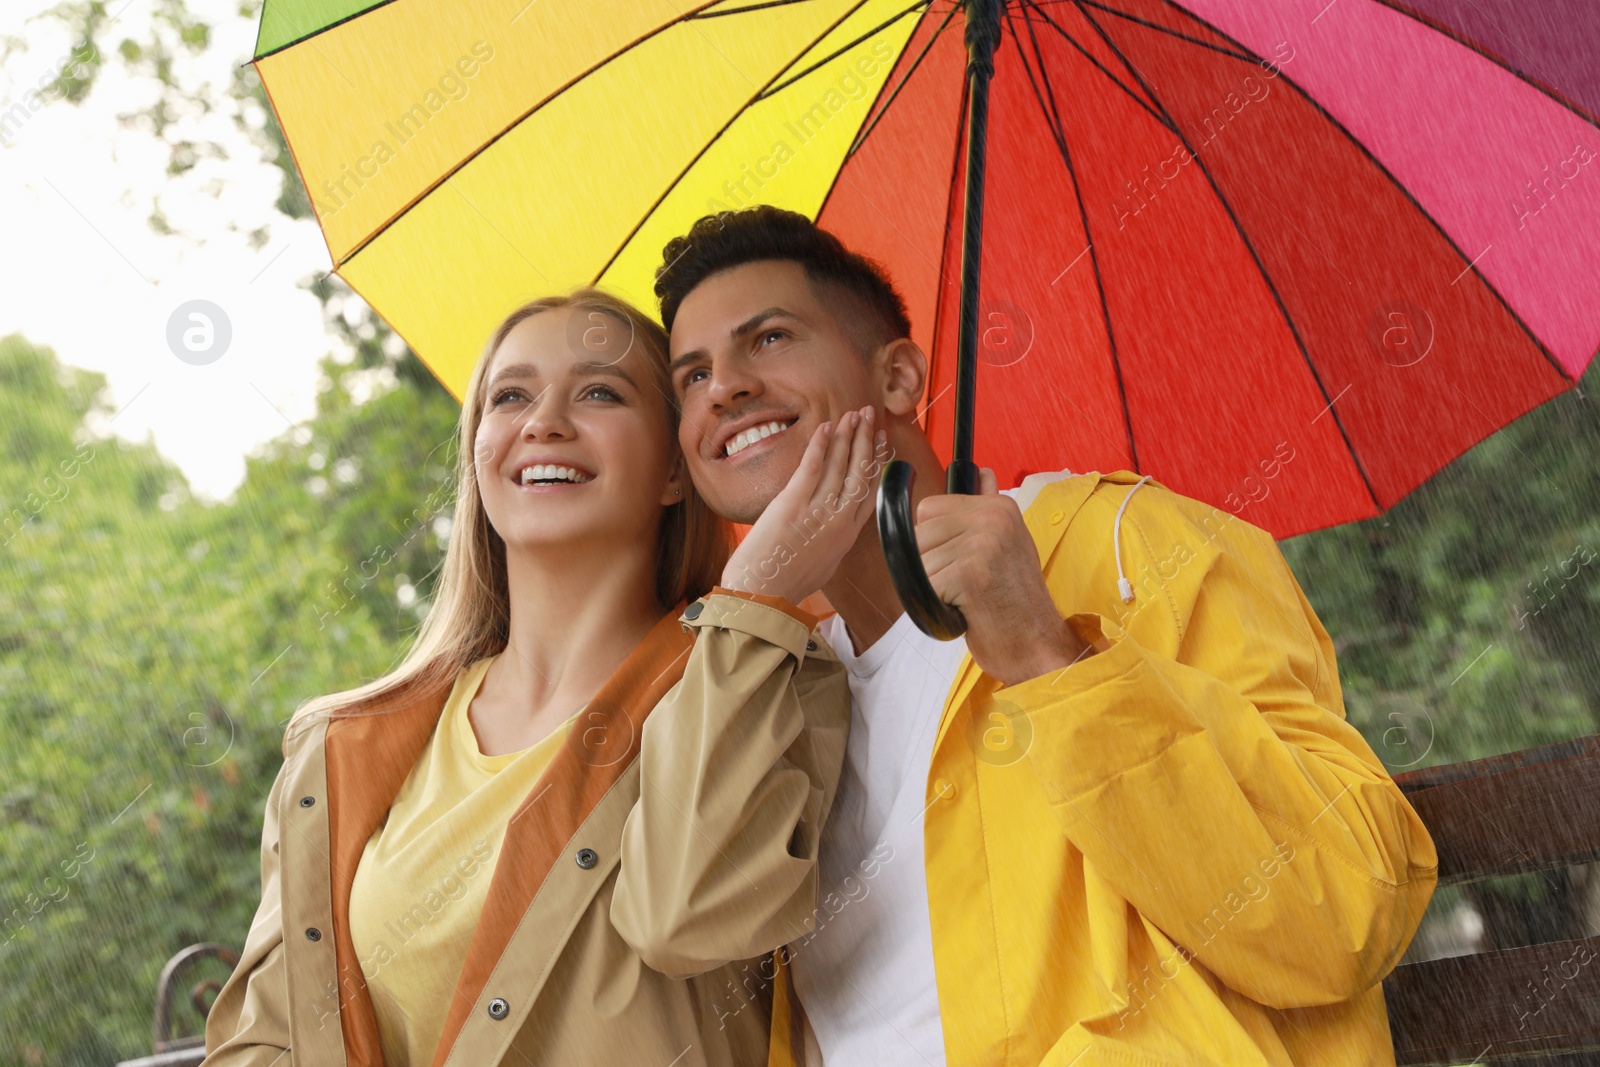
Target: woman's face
x,y
575,443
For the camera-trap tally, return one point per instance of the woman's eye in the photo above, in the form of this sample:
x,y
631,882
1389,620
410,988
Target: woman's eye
x,y
507,394
603,392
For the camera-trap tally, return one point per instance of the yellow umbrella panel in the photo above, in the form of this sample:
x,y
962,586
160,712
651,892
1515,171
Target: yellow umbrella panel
x,y
464,157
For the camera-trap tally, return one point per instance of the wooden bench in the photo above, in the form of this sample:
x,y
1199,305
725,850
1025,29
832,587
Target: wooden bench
x,y
1537,810
182,1051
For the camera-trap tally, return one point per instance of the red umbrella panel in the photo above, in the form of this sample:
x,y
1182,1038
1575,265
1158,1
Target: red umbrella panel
x,y
1287,258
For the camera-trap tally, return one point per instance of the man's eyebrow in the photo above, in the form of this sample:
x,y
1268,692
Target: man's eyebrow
x,y
754,321
685,358
745,328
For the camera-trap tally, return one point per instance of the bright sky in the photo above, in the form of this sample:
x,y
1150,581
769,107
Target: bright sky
x,y
82,272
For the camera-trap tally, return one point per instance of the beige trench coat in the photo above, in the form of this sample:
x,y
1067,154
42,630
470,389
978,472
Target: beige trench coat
x,y
674,832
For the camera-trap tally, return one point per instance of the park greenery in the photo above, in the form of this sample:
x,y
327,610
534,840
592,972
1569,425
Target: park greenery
x,y
152,644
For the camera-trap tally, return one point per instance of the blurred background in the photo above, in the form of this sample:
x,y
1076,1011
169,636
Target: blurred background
x,y
192,546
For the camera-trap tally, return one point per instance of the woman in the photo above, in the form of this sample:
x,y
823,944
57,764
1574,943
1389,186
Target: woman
x,y
459,870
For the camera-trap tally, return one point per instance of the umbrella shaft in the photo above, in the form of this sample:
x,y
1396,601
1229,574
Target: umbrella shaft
x,y
983,32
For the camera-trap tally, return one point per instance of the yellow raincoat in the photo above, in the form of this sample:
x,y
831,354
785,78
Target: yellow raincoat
x,y
1176,852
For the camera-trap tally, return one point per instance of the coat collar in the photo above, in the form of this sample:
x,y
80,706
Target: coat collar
x,y
1047,518
370,753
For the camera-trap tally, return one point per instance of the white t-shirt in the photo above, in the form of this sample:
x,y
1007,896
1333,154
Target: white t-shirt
x,y
865,975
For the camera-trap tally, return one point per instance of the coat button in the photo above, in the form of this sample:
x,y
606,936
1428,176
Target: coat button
x,y
693,610
944,789
1055,520
811,646
306,802
587,858
498,1009
313,934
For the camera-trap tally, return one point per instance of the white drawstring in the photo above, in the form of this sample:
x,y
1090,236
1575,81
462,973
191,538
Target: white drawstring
x,y
1124,586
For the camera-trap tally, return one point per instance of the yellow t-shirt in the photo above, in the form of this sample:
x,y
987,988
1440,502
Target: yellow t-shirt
x,y
424,874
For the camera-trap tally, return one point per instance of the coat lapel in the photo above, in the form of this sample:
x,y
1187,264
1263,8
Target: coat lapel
x,y
599,750
369,753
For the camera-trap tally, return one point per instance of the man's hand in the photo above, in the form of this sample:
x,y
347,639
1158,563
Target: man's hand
x,y
797,543
981,558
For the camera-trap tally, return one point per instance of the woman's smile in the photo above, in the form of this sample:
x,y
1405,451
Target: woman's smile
x,y
550,475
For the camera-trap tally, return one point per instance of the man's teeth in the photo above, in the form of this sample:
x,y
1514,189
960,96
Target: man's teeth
x,y
547,472
742,441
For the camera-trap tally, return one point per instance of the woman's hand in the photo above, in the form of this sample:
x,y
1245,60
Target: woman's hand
x,y
797,543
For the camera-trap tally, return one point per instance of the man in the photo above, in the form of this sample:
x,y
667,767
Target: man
x,y
1124,821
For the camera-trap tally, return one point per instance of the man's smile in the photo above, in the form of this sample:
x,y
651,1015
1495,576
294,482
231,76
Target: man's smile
x,y
741,435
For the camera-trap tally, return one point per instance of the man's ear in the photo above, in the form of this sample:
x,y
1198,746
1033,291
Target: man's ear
x,y
905,374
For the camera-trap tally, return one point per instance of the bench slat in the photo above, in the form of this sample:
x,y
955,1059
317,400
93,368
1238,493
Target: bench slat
x,y
1428,777
1524,811
1495,1007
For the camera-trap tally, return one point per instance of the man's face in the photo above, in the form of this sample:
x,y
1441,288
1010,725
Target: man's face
x,y
758,349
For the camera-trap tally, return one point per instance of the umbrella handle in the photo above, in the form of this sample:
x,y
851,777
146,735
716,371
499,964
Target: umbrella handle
x,y
897,532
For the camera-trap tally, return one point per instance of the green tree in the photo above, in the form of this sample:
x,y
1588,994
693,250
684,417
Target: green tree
x,y
1464,617
151,648
1465,621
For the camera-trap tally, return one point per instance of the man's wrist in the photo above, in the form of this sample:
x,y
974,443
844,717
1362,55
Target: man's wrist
x,y
1057,650
739,579
735,582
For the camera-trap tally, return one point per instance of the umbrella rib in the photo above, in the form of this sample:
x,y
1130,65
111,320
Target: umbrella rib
x,y
1472,264
513,124
748,7
622,246
1058,131
838,175
945,277
1266,277
1168,30
697,14
319,30
1536,83
861,137
1062,30
841,50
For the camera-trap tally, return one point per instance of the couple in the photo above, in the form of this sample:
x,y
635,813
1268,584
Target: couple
x,y
1108,827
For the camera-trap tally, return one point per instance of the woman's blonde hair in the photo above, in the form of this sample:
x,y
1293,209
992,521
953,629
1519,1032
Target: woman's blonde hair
x,y
471,612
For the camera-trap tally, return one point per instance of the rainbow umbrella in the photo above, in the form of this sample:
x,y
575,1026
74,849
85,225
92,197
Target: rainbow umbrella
x,y
1289,257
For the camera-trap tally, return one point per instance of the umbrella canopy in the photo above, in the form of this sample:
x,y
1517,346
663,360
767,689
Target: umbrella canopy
x,y
1286,256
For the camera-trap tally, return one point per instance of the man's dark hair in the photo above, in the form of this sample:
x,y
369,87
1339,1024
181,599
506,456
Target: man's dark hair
x,y
733,238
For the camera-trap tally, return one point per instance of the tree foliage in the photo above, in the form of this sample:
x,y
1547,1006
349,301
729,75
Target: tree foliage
x,y
1465,617
151,648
